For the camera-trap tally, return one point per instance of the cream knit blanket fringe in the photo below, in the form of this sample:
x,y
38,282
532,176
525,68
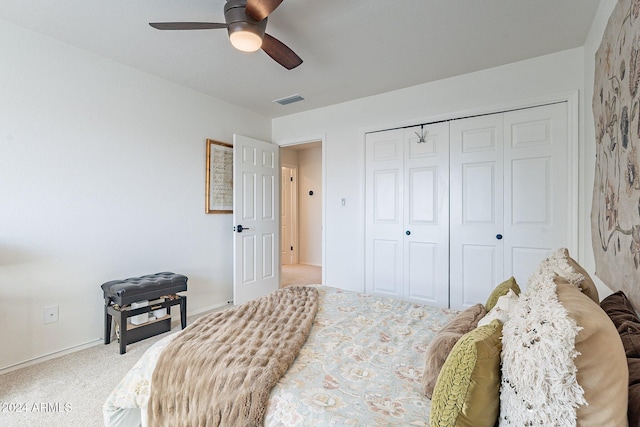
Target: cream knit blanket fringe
x,y
539,383
221,369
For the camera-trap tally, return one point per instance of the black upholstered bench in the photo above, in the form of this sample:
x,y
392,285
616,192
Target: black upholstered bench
x,y
120,294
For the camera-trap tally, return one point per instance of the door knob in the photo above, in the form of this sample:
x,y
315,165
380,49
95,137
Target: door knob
x,y
240,228
499,236
408,232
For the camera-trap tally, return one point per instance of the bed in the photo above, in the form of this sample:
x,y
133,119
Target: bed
x,y
362,364
548,355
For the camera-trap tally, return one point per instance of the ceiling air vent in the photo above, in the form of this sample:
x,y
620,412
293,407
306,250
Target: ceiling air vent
x,y
289,99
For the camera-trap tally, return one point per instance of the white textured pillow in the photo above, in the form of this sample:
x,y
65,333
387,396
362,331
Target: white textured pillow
x,y
501,310
539,382
562,363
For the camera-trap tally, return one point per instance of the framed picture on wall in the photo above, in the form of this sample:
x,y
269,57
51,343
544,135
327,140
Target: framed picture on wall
x,y
219,181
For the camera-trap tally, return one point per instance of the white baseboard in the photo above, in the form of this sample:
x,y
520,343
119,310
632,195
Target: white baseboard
x,y
311,264
64,352
49,356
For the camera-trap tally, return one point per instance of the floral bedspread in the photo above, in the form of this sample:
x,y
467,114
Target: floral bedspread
x,y
361,366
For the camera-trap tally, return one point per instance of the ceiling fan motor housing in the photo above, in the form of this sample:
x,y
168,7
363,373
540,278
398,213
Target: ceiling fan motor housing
x,y
238,20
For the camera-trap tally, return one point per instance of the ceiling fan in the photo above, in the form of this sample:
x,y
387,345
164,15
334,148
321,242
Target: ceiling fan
x,y
246,21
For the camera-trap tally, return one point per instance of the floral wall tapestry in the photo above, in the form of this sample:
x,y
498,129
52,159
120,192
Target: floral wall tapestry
x,y
615,214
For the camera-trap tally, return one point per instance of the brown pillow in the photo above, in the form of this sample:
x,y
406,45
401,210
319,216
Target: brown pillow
x,y
444,341
633,411
586,285
619,309
601,363
624,317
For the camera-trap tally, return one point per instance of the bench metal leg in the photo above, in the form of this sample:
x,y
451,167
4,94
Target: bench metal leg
x,y
107,325
123,332
183,312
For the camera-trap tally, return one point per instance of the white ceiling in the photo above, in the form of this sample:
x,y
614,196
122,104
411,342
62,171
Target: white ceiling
x,y
351,48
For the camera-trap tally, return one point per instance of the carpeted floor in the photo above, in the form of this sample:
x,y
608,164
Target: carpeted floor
x,y
69,391
301,274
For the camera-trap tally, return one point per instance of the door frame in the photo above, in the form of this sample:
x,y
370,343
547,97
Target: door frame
x,y
293,211
322,138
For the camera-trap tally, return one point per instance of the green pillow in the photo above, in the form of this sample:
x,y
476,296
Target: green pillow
x,y
501,290
467,391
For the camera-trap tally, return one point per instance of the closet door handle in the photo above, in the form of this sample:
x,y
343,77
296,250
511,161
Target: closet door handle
x,y
499,236
408,232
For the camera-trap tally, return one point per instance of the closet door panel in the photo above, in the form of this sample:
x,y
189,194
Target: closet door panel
x,y
537,179
426,214
480,265
476,193
478,187
422,272
384,234
386,275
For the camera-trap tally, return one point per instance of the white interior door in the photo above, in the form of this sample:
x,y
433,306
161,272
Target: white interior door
x,y
384,233
407,216
256,216
536,193
426,214
510,201
476,208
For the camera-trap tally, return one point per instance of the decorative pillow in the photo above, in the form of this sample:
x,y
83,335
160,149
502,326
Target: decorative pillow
x,y
633,410
562,361
467,390
625,319
619,309
501,310
602,371
501,290
444,341
568,268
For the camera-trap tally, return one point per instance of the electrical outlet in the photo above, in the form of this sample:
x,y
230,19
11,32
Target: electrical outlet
x,y
51,314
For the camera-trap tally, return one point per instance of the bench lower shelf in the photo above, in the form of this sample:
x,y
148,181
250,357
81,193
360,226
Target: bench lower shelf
x,y
149,329
134,333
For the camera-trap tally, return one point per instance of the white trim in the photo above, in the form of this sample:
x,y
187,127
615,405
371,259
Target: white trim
x,y
323,140
70,350
50,356
294,211
573,139
310,264
570,96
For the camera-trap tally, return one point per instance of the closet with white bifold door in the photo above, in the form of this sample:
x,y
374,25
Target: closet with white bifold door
x,y
407,214
492,193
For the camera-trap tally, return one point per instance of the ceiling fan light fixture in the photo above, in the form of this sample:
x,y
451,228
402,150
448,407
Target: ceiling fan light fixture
x,y
246,41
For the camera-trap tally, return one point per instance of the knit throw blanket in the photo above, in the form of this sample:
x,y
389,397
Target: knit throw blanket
x,y
221,369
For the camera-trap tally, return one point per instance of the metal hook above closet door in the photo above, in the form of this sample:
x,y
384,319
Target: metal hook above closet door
x,y
422,135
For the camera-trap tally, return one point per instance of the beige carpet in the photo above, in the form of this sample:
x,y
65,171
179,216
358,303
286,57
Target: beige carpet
x,y
300,274
69,391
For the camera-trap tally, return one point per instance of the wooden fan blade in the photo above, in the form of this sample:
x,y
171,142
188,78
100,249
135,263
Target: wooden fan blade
x,y
187,25
260,9
280,52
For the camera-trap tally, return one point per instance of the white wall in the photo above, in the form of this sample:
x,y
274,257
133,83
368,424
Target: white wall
x,y
345,123
102,173
310,207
